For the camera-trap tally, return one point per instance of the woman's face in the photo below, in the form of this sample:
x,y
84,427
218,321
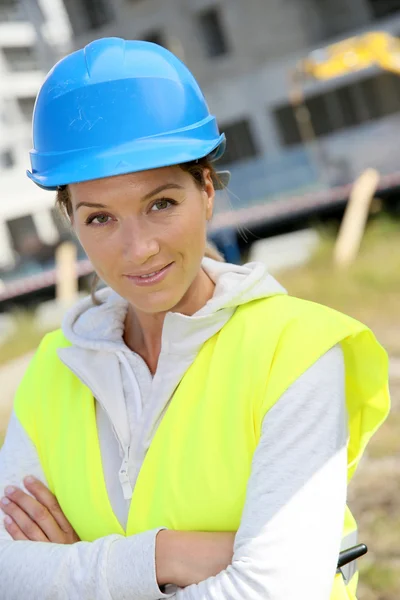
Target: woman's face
x,y
145,233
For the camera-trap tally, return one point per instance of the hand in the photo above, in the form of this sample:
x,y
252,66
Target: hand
x,y
186,557
38,519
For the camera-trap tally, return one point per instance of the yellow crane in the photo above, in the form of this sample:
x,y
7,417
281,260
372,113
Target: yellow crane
x,y
351,55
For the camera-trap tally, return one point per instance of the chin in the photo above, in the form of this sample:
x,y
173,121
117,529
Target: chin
x,y
153,305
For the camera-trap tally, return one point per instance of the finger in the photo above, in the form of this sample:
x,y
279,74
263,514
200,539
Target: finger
x,y
37,513
22,522
47,499
13,529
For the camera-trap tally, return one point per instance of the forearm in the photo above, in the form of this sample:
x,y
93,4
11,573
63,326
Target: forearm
x,y
43,571
293,555
112,567
184,557
167,558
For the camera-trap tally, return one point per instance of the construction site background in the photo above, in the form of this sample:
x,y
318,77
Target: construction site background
x,y
308,94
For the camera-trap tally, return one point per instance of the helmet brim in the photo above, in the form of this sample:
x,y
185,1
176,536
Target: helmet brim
x,y
129,158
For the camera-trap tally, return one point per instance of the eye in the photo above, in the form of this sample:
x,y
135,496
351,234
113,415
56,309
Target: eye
x,y
100,219
162,204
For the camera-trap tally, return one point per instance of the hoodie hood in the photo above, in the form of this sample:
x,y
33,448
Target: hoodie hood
x,y
101,327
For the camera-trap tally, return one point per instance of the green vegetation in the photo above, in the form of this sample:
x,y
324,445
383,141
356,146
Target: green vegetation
x,y
379,581
369,289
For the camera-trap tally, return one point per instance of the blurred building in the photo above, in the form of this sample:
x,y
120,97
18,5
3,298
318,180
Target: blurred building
x,y
242,53
33,34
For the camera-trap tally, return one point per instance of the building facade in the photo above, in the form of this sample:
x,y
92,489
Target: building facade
x,y
32,36
243,54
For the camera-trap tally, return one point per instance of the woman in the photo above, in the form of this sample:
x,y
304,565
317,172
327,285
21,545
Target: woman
x,y
194,424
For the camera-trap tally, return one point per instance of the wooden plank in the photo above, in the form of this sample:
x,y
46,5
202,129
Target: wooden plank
x,y
355,217
66,274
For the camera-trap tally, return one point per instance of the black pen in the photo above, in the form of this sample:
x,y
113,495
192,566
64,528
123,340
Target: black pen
x,y
347,556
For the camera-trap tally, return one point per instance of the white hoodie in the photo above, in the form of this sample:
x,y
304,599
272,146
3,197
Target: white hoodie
x,y
290,534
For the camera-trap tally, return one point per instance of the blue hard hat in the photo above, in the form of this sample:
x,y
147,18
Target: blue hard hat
x,y
118,107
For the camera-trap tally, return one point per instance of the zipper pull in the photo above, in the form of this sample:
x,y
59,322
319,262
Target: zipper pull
x,y
124,480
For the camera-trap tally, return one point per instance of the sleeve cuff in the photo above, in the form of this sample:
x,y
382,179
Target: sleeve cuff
x,y
131,568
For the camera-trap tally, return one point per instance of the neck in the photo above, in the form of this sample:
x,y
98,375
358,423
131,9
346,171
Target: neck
x,y
143,331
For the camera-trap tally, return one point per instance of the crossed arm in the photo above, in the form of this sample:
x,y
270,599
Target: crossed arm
x,y
182,558
295,503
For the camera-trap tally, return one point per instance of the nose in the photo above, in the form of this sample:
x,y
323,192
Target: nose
x,y
139,241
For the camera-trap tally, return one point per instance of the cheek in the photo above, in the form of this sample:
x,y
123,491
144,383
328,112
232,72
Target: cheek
x,y
191,231
100,248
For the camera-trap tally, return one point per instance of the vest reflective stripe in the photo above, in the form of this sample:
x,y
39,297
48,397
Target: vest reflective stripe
x,y
238,375
348,541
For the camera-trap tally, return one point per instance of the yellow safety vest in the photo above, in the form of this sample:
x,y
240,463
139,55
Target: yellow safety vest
x,y
195,472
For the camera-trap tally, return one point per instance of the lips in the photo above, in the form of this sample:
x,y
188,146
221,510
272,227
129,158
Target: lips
x,y
151,278
147,275
150,274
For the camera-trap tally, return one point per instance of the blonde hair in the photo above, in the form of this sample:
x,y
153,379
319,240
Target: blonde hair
x,y
195,169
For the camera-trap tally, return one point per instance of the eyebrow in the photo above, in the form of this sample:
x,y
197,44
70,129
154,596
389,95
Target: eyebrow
x,y
90,205
161,188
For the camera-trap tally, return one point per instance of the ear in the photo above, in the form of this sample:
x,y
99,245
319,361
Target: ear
x,y
209,192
